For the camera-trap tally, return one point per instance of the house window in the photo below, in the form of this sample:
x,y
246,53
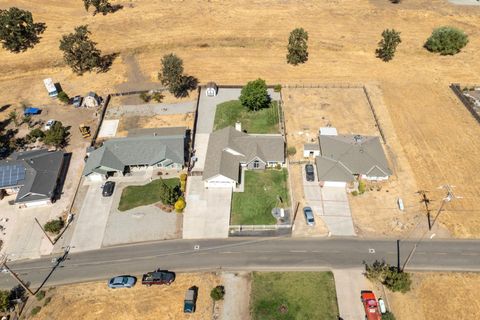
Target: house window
x,y
256,164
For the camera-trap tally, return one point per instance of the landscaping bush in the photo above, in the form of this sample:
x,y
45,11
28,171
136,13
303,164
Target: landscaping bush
x,y
180,205
446,40
157,97
4,300
362,187
183,185
54,226
35,310
388,45
40,295
63,97
291,151
217,293
36,133
183,177
277,88
389,276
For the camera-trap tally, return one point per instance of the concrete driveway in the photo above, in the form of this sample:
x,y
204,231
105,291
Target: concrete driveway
x,y
348,284
207,214
92,220
331,205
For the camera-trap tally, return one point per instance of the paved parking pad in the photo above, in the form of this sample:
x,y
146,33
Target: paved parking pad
x,y
207,214
331,205
92,220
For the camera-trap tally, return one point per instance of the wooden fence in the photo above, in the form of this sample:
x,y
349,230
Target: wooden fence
x,y
466,102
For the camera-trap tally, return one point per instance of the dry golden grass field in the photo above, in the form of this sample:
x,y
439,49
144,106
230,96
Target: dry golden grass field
x,y
446,296
236,41
96,301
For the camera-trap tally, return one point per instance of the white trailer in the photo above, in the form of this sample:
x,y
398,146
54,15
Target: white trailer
x,y
50,86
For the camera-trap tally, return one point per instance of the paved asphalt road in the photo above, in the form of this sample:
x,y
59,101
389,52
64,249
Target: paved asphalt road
x,y
243,254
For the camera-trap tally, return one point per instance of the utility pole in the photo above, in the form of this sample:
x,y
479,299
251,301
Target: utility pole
x,y
448,198
398,256
426,202
3,263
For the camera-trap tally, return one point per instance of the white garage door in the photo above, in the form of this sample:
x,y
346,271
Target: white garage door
x,y
220,184
37,203
96,177
337,184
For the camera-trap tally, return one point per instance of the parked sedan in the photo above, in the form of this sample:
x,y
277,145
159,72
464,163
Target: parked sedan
x,y
107,189
309,172
307,211
122,282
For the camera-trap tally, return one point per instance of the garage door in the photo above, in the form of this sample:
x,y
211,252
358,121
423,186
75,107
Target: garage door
x,y
337,184
37,203
220,184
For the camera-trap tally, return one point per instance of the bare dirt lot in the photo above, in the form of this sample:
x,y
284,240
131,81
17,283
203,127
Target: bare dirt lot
x,y
237,41
96,301
446,296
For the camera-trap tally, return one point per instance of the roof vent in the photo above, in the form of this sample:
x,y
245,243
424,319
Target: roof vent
x,y
358,138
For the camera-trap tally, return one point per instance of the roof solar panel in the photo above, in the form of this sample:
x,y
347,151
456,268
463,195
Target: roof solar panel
x,y
10,175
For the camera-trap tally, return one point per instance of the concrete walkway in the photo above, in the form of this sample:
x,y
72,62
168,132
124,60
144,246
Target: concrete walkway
x,y
348,284
207,214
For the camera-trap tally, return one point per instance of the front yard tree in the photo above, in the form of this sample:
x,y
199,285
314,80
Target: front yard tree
x,y
446,41
254,95
297,47
101,6
18,32
388,45
56,136
81,53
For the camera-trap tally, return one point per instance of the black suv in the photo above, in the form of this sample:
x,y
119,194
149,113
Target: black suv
x,y
309,172
107,189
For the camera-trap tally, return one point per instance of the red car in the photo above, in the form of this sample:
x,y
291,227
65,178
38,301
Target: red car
x,y
370,305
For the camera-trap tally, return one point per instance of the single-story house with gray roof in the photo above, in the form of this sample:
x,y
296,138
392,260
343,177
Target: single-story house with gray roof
x,y
32,175
343,158
229,150
160,148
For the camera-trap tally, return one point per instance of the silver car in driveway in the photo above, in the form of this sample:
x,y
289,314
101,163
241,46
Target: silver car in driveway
x,y
308,213
122,282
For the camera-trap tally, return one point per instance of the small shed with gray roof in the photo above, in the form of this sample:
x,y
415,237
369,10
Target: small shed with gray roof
x,y
32,175
161,148
230,150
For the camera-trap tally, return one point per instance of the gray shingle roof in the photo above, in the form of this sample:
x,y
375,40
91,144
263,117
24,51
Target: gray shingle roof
x,y
42,169
116,154
343,156
228,148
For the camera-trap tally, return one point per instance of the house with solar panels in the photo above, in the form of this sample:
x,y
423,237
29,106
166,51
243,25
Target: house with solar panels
x,y
32,175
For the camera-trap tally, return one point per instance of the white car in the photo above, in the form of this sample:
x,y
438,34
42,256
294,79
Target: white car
x,y
49,124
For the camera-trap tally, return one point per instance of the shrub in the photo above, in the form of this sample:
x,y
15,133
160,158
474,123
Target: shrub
x,y
40,295
446,40
362,187
36,133
54,226
217,293
47,301
145,97
180,205
355,193
4,300
183,185
277,88
168,195
291,151
63,97
35,310
183,177
389,276
388,316
388,45
157,97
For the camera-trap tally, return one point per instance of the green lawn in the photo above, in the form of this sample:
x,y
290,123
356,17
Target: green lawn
x,y
262,121
293,295
136,196
255,204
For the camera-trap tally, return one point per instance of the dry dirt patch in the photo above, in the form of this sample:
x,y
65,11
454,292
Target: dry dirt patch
x,y
446,296
96,301
173,120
